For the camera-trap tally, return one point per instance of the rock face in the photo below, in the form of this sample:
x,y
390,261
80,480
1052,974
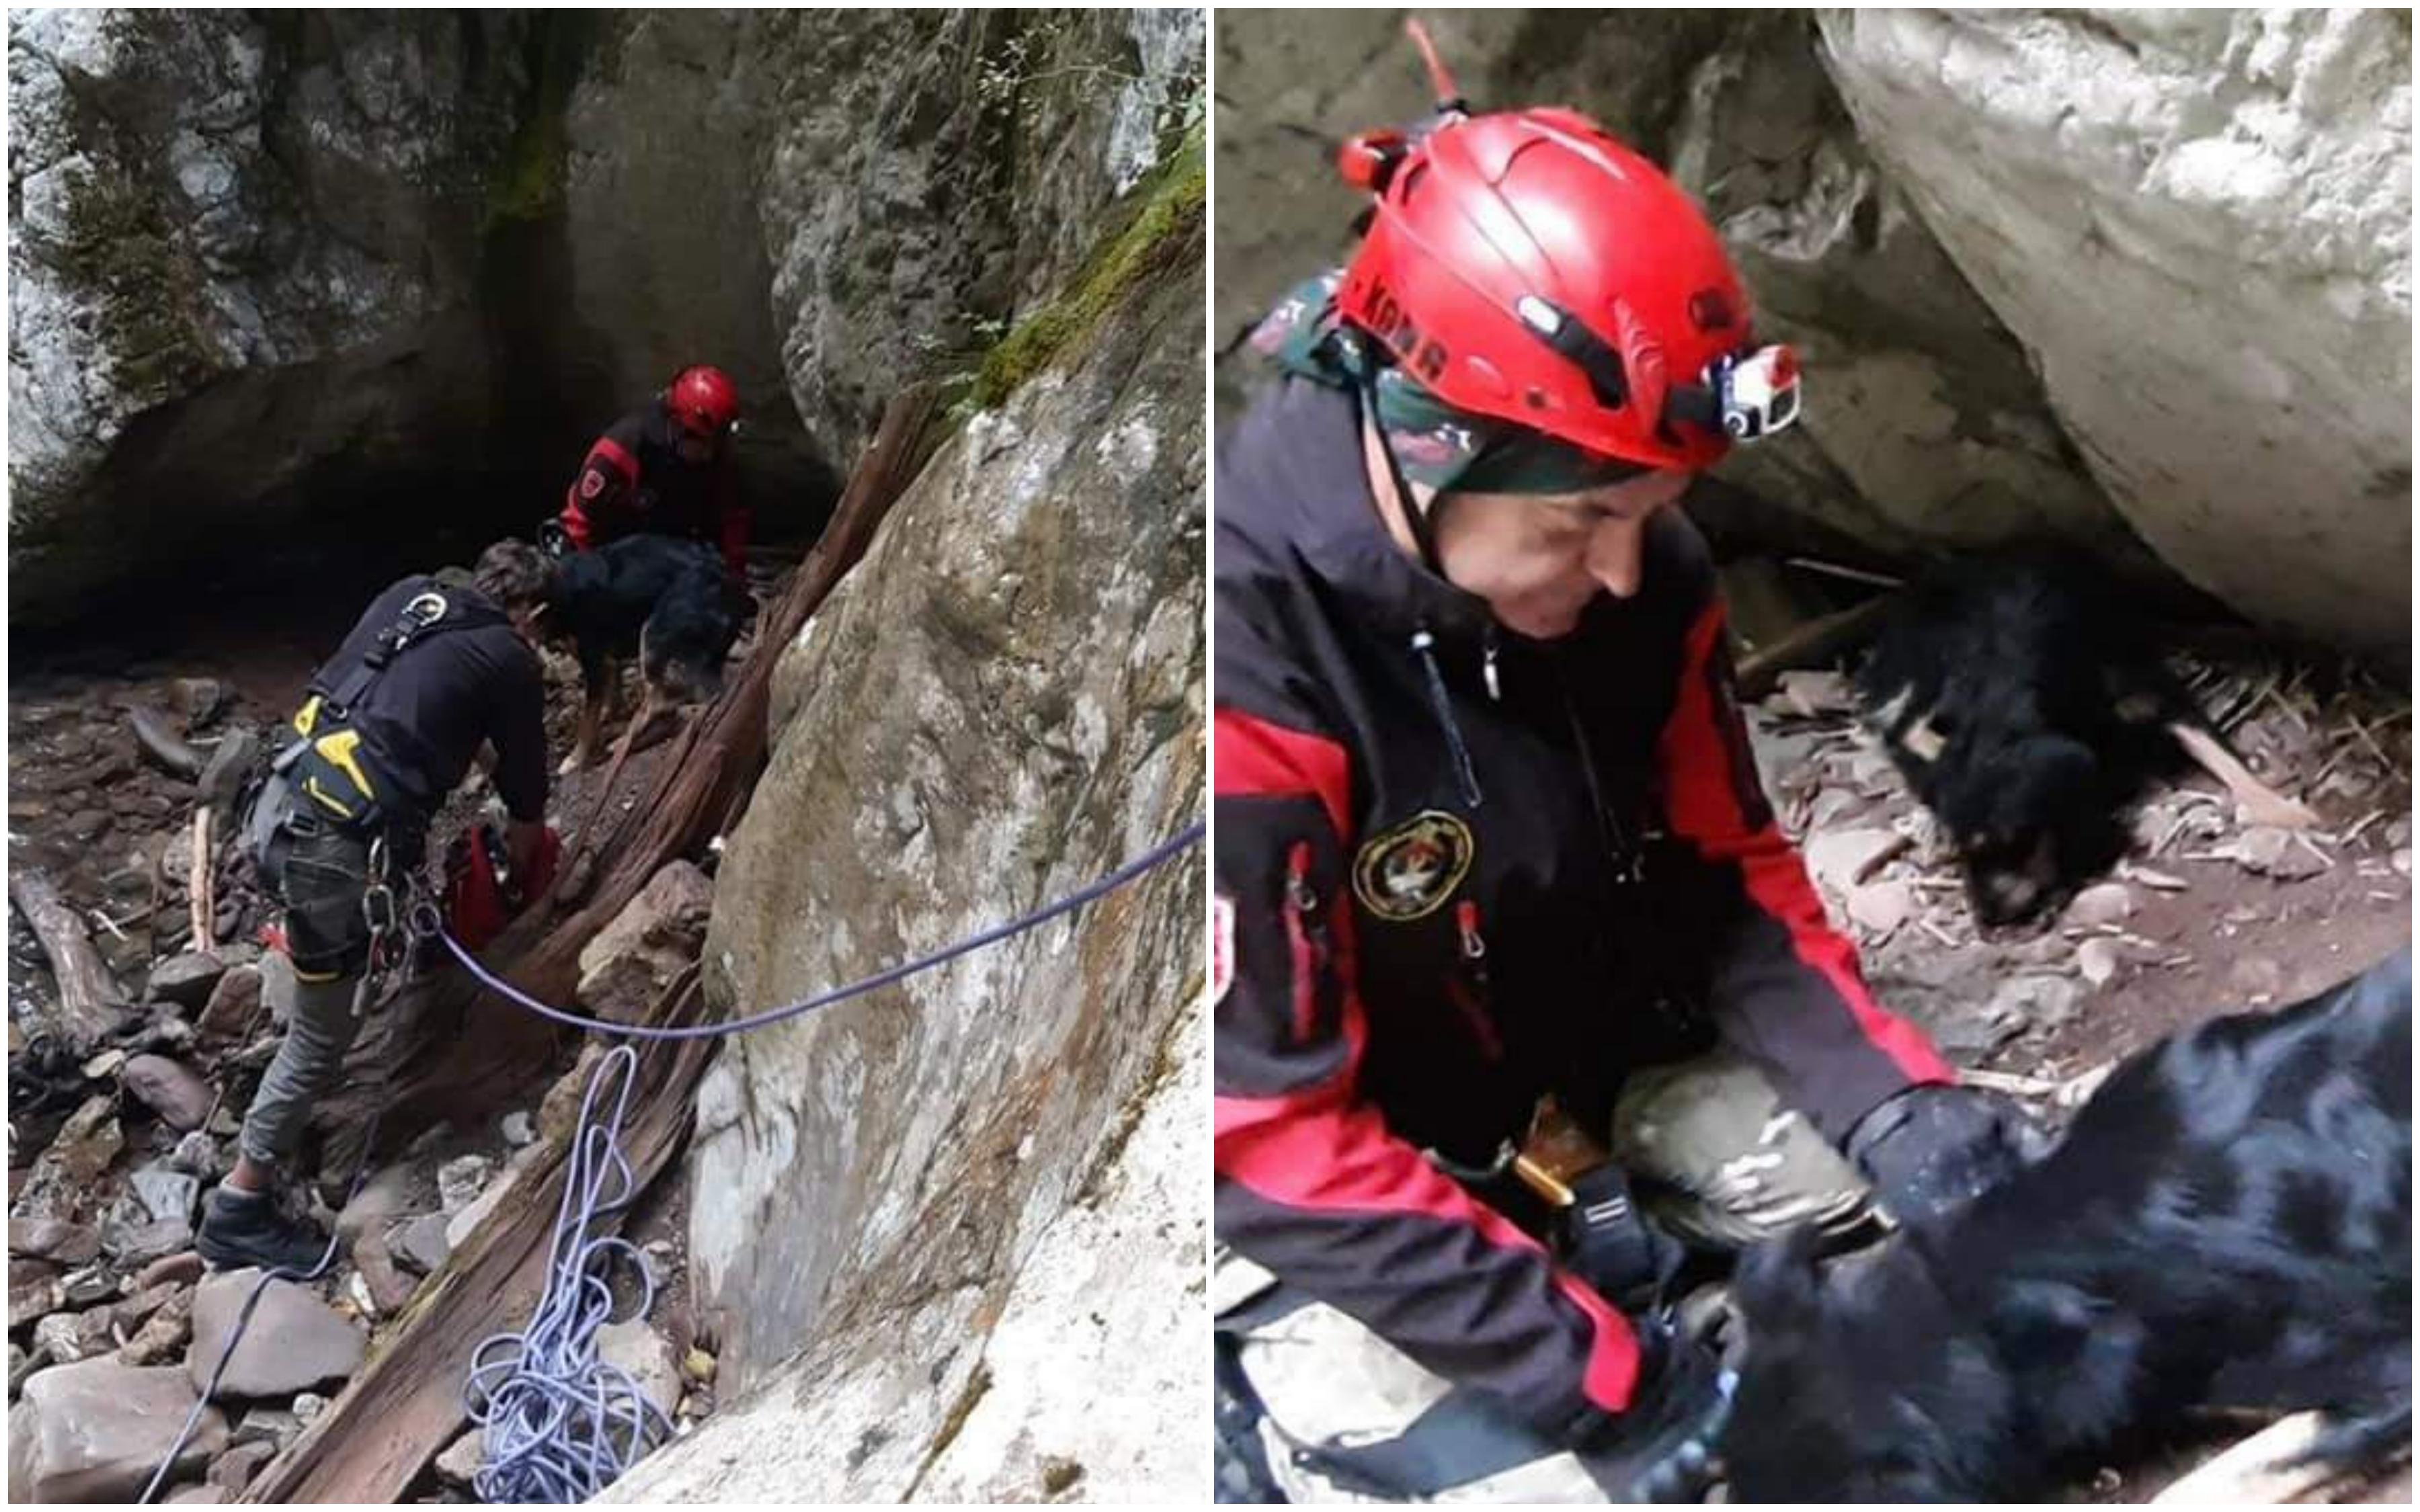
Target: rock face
x,y
1059,1392
270,262
633,959
1997,240
2200,226
95,1431
1001,703
243,244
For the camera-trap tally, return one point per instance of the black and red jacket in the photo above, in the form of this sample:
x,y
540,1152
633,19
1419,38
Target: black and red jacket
x,y
1619,874
634,481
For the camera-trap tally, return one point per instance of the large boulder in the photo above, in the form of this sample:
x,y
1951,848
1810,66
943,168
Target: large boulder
x,y
2200,224
95,1431
2138,281
1063,1402
295,1340
244,246
1001,704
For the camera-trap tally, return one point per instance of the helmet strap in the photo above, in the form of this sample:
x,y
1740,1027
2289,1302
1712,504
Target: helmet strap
x,y
1398,506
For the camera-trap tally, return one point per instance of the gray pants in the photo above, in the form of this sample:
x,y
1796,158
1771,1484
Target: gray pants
x,y
319,1028
1713,1156
319,874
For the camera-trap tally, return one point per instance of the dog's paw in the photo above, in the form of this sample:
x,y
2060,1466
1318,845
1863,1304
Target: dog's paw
x,y
573,762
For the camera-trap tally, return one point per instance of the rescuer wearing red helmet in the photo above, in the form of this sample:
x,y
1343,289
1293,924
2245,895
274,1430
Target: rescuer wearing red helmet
x,y
665,468
1493,861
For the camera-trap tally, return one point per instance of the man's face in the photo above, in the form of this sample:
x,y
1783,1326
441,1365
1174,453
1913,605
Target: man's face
x,y
1539,559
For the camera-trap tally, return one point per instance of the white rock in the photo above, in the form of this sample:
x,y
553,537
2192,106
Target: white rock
x,y
2098,960
2106,903
461,1179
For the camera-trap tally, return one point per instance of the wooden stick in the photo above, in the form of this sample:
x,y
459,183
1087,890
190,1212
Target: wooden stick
x,y
1814,642
197,883
2259,1471
2261,804
90,1005
172,755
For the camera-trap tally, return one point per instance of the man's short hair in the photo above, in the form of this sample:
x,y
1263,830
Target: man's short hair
x,y
514,575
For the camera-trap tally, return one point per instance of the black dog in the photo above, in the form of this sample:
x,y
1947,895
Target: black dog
x,y
664,599
2028,711
2229,1222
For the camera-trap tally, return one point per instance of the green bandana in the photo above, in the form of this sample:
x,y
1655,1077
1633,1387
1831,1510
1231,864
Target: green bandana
x,y
1435,443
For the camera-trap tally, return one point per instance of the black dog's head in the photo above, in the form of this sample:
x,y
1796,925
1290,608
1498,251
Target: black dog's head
x,y
2032,818
687,638
1859,1386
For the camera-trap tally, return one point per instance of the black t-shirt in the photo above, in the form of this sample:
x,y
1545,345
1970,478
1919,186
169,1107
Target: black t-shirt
x,y
454,687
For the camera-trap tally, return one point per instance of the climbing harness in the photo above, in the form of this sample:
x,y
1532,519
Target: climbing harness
x,y
561,1423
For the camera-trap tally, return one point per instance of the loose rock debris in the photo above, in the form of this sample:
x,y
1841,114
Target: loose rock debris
x,y
138,1029
2206,914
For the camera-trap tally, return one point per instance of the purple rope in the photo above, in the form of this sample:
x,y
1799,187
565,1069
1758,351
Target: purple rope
x,y
427,924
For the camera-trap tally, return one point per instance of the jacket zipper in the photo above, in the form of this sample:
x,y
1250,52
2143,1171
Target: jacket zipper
x,y
1620,848
1468,988
1306,938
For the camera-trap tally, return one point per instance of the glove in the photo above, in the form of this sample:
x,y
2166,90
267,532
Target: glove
x,y
1931,1149
1605,1241
1661,1448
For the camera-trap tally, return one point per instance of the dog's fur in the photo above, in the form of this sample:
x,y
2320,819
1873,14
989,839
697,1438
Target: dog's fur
x,y
2028,712
662,598
2229,1222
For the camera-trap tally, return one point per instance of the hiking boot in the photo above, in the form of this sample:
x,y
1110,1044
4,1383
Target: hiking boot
x,y
242,1228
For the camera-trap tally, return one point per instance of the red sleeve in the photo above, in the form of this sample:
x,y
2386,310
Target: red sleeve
x,y
1786,989
1311,1182
594,501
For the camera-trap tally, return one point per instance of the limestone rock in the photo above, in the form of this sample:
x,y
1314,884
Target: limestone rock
x,y
2278,854
648,1355
186,980
460,1460
295,1341
2105,903
95,1431
52,1239
184,1268
168,1195
420,1243
238,1465
2097,176
174,1091
461,1179
232,1006
649,943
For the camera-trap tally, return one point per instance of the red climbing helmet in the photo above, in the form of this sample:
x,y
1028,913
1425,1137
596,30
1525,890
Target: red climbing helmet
x,y
703,400
1528,266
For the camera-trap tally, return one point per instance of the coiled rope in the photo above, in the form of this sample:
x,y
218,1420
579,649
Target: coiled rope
x,y
562,1424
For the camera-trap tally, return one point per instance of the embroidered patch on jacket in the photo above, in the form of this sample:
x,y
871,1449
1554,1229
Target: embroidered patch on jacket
x,y
1409,870
1223,945
592,483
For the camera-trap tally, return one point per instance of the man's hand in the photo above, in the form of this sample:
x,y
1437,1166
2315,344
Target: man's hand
x,y
1662,1447
1931,1149
532,851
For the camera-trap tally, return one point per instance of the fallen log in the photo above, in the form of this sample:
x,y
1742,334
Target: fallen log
x,y
170,754
91,1008
375,1438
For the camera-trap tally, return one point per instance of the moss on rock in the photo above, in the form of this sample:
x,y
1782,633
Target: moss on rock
x,y
1166,221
